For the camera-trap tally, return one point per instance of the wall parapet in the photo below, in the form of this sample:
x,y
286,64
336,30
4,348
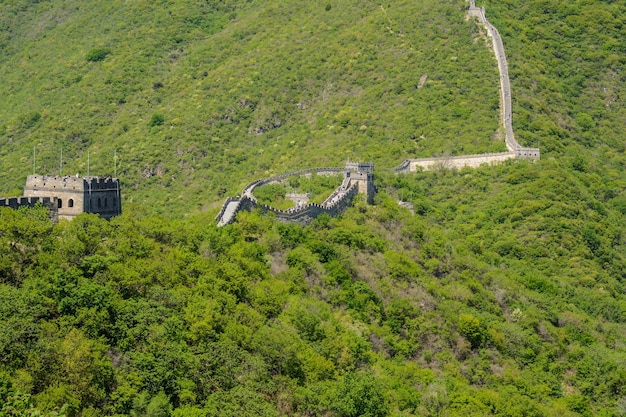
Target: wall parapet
x,y
333,205
48,202
528,153
277,178
307,212
76,195
514,148
223,209
505,83
460,161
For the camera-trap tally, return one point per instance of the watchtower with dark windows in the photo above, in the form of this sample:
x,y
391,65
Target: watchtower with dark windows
x,y
363,174
75,195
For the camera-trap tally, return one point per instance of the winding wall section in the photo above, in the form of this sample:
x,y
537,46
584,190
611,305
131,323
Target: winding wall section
x,y
333,205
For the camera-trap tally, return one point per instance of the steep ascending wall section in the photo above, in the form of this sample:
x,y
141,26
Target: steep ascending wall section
x,y
506,115
505,85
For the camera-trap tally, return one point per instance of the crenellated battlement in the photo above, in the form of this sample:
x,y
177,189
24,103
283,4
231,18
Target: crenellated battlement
x,y
354,182
17,202
75,195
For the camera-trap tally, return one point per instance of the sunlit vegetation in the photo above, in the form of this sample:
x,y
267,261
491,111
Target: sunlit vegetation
x,y
566,63
317,187
199,98
503,296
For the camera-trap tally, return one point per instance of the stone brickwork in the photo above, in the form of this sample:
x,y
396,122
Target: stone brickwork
x,y
354,182
364,182
17,202
506,107
474,161
75,195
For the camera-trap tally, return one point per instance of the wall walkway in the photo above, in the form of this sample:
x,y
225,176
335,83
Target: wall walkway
x,y
515,150
337,202
505,84
346,192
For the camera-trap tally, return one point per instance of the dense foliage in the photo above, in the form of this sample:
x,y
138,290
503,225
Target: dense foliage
x,y
503,295
317,187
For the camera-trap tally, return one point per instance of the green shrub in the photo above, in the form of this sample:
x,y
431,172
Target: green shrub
x,y
156,120
470,327
97,54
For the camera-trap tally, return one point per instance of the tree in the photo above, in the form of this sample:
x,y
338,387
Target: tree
x,y
97,54
470,327
156,120
360,395
18,404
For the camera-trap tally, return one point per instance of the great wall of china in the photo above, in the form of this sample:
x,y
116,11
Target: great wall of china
x,y
51,203
358,178
304,213
103,196
506,115
66,196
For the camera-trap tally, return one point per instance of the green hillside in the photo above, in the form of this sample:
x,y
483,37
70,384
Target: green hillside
x,y
201,97
566,63
503,295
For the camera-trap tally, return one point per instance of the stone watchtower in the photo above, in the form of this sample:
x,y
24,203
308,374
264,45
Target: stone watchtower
x,y
363,174
75,195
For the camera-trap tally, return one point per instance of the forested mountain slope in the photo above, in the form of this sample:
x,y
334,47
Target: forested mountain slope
x,y
201,97
566,62
504,295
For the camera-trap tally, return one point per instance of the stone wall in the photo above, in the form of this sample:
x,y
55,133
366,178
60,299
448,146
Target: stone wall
x,y
223,209
365,182
17,202
249,189
308,212
76,195
506,107
472,161
102,196
529,153
353,183
360,166
68,192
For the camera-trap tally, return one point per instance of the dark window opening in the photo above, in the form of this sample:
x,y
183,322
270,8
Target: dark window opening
x,y
106,203
70,203
99,203
59,203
